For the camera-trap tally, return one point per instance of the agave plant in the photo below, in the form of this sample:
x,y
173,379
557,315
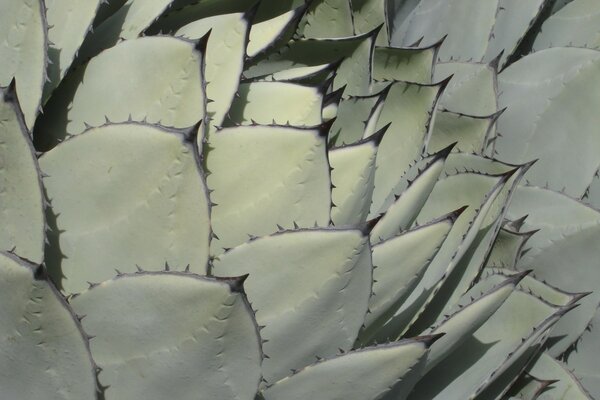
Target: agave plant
x,y
224,199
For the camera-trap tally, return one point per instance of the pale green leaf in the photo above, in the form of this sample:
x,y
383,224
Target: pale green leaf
x,y
45,354
368,15
277,103
413,64
470,133
162,335
267,34
21,198
23,52
261,176
574,25
321,279
366,374
549,93
583,361
125,195
159,82
224,58
327,19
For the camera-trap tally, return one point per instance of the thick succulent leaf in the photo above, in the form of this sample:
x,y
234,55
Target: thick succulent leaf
x,y
368,15
107,8
574,25
23,49
366,374
564,385
356,116
494,27
68,24
412,64
528,387
549,93
583,360
511,332
592,193
327,19
200,340
409,108
224,60
399,263
280,103
352,179
461,276
321,279
125,195
507,248
269,33
354,71
261,176
160,82
559,4
45,353
472,89
475,163
459,326
564,253
475,191
470,133
303,75
126,23
407,199
21,198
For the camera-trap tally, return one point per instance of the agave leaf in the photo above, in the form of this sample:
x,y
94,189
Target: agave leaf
x,y
69,23
461,277
302,75
125,194
22,204
574,25
592,193
563,384
470,133
408,197
528,387
357,117
268,34
551,92
559,4
475,163
400,263
356,53
322,280
224,60
507,338
365,374
127,22
409,108
186,351
327,19
496,27
507,248
160,82
23,52
568,236
472,89
476,191
368,15
280,103
460,325
107,8
582,360
261,176
404,63
45,353
352,177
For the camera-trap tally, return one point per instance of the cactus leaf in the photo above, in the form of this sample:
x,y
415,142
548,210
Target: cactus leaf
x,y
186,349
156,210
336,282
